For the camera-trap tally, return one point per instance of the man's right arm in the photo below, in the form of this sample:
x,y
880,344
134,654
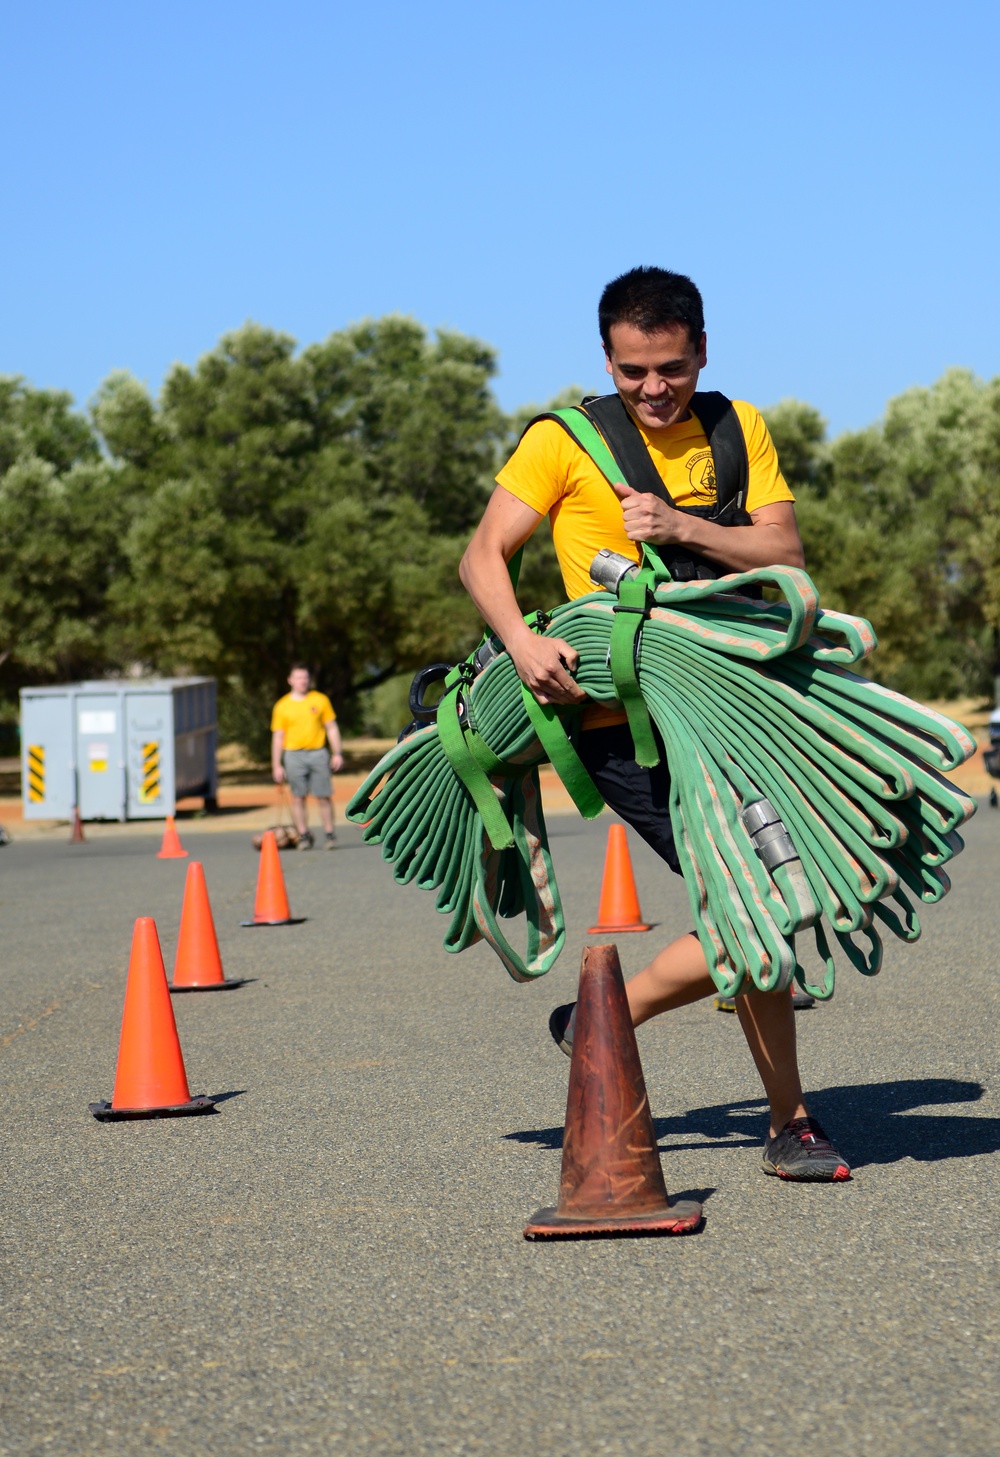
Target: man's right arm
x,y
545,664
277,748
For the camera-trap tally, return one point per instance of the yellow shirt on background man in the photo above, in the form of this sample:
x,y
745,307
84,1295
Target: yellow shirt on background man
x,y
551,473
303,720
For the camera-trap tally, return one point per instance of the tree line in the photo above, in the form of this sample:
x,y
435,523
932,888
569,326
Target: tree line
x,y
275,504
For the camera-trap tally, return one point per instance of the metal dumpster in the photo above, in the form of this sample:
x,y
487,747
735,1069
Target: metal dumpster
x,y
122,750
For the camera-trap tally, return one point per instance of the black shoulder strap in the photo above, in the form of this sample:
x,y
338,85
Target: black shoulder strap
x,y
609,414
721,424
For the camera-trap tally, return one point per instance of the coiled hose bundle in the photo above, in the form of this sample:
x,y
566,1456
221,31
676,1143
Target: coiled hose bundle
x,y
802,795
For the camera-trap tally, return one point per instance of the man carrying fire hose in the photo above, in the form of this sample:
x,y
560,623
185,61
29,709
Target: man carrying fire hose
x,y
705,488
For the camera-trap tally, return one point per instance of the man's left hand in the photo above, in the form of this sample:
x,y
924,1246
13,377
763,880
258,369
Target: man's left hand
x,y
647,518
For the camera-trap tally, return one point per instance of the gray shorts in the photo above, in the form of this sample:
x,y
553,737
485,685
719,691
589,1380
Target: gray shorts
x,y
308,772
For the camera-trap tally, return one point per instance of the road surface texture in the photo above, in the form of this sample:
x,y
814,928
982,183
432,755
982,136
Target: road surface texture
x,y
333,1262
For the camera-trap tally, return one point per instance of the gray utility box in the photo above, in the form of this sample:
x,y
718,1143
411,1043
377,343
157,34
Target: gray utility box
x,y
124,750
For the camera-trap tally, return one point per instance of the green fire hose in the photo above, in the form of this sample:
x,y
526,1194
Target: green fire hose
x,y
803,795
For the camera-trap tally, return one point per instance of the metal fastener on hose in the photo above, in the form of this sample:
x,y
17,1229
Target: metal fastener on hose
x,y
770,839
609,568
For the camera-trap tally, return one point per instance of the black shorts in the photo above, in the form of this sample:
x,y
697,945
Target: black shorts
x,y
640,796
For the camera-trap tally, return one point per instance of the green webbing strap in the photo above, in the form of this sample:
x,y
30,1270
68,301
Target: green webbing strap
x,y
634,597
590,439
562,756
653,563
551,735
559,750
474,761
485,757
472,775
631,612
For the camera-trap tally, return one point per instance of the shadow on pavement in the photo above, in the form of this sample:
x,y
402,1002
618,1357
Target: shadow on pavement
x,y
871,1123
700,1196
224,811
875,1123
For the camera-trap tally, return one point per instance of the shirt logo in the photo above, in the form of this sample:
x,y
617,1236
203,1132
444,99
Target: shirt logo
x,y
701,475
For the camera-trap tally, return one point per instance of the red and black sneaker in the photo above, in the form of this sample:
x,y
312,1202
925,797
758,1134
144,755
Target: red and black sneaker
x,y
802,1151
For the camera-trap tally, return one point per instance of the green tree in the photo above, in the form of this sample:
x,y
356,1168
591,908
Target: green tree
x,y
901,524
799,434
275,504
60,526
41,424
305,506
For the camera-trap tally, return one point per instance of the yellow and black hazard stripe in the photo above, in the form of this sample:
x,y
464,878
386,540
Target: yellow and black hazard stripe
x,y
36,773
150,773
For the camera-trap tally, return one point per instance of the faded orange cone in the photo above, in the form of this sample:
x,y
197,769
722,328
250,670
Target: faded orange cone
x,y
619,909
171,849
77,837
271,906
198,965
612,1179
150,1081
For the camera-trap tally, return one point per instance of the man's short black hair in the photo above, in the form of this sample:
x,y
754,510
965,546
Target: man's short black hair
x,y
300,668
651,299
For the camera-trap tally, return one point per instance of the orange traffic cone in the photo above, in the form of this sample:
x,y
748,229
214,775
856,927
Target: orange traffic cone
x,y
619,909
271,908
612,1178
77,837
171,849
150,1081
198,965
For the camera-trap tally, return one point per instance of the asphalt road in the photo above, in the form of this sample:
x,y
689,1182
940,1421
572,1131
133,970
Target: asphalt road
x,y
333,1262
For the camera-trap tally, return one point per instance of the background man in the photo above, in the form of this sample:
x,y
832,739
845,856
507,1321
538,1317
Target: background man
x,y
305,744
652,330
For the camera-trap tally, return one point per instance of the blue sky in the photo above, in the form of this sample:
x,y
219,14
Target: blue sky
x,y
827,174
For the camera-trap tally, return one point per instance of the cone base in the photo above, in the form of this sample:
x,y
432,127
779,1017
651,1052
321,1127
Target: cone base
x,y
211,986
104,1112
681,1217
615,930
292,921
171,854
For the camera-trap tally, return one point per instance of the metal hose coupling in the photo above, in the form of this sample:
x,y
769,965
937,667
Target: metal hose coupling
x,y
490,648
770,839
609,568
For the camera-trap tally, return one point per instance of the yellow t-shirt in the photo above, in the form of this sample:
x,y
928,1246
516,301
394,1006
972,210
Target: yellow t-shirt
x,y
303,720
550,473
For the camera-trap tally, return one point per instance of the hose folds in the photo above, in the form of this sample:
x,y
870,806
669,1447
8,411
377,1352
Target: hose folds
x,y
803,796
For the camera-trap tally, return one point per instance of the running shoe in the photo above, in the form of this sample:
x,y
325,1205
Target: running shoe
x,y
561,1026
802,1151
801,1002
305,841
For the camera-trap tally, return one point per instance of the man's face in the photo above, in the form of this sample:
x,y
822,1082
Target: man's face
x,y
298,680
655,374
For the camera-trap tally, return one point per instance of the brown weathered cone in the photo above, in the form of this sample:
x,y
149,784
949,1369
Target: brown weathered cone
x,y
612,1179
